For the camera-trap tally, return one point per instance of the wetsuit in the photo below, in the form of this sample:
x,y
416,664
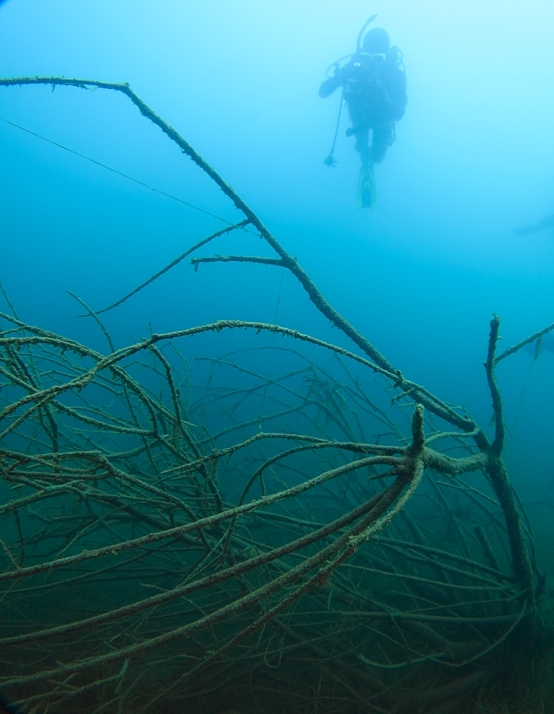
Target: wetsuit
x,y
375,92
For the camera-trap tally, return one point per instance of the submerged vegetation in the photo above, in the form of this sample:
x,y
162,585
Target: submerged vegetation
x,y
327,536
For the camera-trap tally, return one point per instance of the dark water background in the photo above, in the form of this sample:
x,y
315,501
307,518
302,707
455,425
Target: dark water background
x,y
419,276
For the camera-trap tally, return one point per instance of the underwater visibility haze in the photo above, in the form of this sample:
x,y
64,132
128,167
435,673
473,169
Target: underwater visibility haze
x,y
299,474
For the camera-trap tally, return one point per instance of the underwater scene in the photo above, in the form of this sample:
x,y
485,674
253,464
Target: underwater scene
x,y
276,357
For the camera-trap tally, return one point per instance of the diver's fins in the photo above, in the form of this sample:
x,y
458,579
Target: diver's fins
x,y
366,186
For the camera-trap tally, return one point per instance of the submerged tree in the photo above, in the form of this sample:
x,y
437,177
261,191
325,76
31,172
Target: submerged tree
x,y
160,549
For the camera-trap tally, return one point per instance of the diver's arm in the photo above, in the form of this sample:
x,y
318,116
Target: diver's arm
x,y
536,227
328,87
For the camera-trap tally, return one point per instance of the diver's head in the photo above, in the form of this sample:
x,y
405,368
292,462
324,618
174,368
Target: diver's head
x,y
376,42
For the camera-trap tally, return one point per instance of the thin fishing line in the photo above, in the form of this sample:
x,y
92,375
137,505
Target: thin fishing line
x,y
271,349
119,173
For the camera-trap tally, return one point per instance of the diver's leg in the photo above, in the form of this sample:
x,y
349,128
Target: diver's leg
x,y
366,182
382,138
362,144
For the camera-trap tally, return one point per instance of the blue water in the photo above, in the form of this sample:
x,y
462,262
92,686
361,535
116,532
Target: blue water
x,y
419,276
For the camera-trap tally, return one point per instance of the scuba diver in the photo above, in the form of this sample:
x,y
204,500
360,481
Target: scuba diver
x,y
374,89
535,227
